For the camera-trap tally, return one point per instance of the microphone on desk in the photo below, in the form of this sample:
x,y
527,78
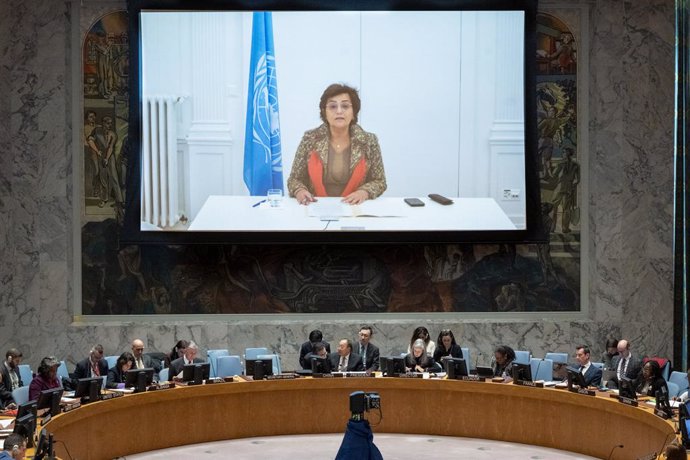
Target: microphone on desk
x,y
618,446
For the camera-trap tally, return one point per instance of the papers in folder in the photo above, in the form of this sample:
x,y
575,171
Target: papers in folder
x,y
334,207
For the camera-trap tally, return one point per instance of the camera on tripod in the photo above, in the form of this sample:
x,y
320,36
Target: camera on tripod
x,y
361,402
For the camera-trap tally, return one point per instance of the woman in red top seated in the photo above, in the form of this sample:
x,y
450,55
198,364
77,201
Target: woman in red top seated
x,y
338,158
46,377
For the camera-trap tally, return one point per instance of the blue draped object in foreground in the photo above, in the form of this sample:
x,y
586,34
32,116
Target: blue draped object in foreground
x,y
263,162
358,443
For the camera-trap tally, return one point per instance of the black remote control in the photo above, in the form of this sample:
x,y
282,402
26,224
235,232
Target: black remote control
x,y
440,199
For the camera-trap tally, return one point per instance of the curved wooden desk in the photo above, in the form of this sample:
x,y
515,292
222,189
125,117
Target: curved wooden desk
x,y
188,415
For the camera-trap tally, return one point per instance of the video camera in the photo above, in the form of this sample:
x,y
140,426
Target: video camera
x,y
361,402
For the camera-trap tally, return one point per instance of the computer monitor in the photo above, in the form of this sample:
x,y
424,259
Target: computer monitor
x,y
626,388
29,407
26,427
320,365
89,389
392,365
522,371
456,368
259,368
50,399
575,377
139,379
663,404
44,447
196,373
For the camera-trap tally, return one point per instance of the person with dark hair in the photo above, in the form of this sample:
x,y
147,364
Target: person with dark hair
x,y
650,380
609,353
422,333
344,360
117,375
446,347
367,350
307,347
676,452
318,350
11,379
46,377
176,352
338,158
591,373
92,366
503,361
418,360
14,447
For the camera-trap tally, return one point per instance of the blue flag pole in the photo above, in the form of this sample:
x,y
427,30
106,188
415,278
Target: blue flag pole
x,y
263,162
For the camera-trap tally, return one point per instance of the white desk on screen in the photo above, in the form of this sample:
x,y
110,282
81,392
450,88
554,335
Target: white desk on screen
x,y
240,213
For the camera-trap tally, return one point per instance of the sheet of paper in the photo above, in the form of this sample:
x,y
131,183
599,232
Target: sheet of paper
x,y
5,422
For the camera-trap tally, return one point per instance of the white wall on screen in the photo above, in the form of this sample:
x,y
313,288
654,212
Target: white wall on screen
x,y
403,92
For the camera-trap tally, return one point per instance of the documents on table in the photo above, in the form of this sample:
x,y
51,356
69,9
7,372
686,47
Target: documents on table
x,y
334,207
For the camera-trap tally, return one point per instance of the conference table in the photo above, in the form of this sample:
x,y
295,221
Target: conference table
x,y
252,213
549,417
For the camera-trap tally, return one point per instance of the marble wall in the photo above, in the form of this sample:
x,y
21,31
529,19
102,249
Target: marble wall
x,y
629,151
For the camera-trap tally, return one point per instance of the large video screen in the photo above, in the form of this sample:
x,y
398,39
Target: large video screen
x,y
319,125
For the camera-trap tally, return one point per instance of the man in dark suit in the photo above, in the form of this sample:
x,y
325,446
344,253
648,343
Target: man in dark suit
x,y
625,364
11,379
189,357
344,360
591,373
141,360
367,350
92,366
315,337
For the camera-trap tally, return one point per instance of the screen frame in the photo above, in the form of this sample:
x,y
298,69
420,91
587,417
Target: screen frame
x,y
48,400
522,369
452,365
132,378
204,372
131,232
250,364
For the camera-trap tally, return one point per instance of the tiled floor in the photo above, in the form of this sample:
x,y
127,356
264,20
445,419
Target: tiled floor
x,y
392,447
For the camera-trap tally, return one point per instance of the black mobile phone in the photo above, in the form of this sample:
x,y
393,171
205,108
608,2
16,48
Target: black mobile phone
x,y
414,202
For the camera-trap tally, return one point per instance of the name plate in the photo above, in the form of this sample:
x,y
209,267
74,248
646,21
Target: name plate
x,y
411,375
325,376
662,413
281,377
628,401
472,378
71,406
165,386
527,383
112,395
583,391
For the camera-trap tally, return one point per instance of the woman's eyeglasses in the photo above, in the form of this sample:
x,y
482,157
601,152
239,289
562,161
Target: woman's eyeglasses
x,y
333,106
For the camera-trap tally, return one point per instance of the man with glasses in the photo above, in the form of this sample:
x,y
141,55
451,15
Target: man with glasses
x,y
367,350
189,357
624,364
92,366
11,379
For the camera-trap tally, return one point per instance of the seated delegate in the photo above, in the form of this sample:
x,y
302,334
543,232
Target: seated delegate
x,y
447,347
118,373
418,360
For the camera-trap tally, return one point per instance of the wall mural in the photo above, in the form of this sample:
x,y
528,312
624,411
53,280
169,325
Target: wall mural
x,y
227,279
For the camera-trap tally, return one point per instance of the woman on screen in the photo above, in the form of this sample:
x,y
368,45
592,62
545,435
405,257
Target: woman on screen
x,y
422,333
46,377
419,360
503,361
338,158
446,346
118,373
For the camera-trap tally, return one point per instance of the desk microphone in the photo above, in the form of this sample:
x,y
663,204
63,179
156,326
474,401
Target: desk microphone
x,y
619,446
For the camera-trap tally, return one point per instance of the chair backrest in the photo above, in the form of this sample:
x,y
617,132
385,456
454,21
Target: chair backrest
x,y
557,357
163,375
25,374
213,356
253,353
21,394
276,362
673,389
680,379
522,356
598,365
229,366
467,357
542,369
62,371
111,360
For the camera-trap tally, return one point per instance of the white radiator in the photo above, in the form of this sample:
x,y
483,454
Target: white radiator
x,y
159,191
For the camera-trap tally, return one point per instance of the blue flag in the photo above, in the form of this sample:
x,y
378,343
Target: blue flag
x,y
263,162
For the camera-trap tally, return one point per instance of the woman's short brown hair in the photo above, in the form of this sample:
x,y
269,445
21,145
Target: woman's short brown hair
x,y
336,89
